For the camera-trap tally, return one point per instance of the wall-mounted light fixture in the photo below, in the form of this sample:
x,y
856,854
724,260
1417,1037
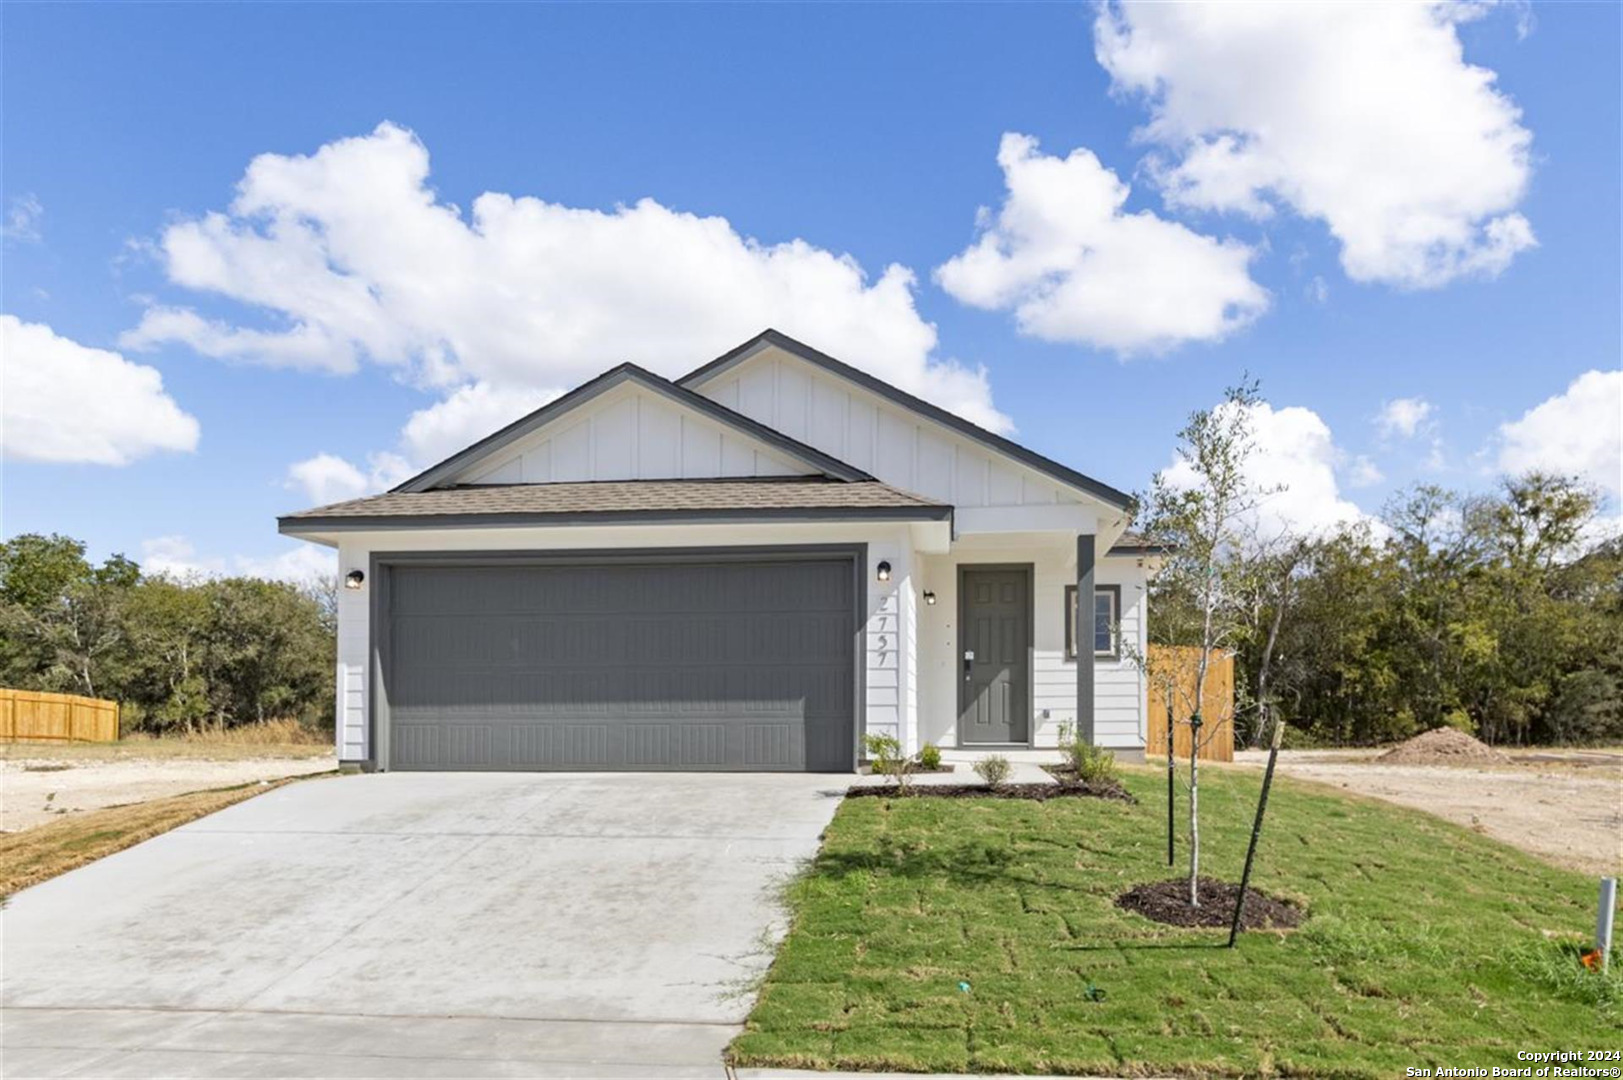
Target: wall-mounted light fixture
x,y
884,571
354,579
929,597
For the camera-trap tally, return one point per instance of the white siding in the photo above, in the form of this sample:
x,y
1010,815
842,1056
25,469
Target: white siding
x,y
631,433
865,429
890,659
1118,684
892,644
354,641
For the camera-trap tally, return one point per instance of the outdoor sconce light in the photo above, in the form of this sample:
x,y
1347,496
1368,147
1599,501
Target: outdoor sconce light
x,y
929,597
353,579
884,571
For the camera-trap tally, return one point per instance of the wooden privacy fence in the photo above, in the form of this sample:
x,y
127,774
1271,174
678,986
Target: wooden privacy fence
x,y
1173,667
31,714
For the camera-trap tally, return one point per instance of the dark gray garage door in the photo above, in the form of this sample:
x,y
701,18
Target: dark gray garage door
x,y
674,665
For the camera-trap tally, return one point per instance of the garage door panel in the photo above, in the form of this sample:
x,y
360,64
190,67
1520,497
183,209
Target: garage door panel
x,y
733,665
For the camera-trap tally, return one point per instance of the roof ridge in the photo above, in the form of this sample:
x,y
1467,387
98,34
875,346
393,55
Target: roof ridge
x,y
811,478
682,395
1054,469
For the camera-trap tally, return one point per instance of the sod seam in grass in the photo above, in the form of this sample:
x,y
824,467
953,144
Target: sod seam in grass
x,y
982,935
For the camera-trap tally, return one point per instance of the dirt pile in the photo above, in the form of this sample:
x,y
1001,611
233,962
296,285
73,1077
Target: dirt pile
x,y
1443,746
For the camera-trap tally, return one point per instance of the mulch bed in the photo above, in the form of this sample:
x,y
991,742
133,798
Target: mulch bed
x,y
1168,902
1035,792
1109,789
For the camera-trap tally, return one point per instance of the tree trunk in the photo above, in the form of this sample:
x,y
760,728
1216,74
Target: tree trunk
x,y
1194,816
1264,666
1208,603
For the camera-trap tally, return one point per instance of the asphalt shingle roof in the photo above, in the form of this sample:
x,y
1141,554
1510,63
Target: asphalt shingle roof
x,y
619,498
1133,541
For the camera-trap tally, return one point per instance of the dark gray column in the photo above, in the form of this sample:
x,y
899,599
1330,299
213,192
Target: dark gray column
x,y
1084,638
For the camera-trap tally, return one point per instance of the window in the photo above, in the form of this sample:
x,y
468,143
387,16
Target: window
x,y
1106,622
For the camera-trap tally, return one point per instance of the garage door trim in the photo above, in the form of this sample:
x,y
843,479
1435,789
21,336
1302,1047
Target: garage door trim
x,y
382,564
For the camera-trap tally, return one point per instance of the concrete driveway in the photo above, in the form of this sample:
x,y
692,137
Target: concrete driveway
x,y
451,924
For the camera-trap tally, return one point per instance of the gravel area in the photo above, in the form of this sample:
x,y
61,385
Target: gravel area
x,y
43,787
1565,806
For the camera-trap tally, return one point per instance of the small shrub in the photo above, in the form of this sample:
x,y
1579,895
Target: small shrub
x,y
1092,764
930,757
993,769
888,760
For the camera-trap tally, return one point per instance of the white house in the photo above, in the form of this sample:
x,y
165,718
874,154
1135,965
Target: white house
x,y
748,568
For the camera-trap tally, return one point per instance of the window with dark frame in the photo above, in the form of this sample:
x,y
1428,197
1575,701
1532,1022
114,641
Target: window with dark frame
x,y
1106,622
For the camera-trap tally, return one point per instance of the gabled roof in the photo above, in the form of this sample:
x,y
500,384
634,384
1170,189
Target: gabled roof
x,y
798,498
1030,458
1135,543
437,475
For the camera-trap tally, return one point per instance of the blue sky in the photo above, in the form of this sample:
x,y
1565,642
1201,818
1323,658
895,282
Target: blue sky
x,y
866,131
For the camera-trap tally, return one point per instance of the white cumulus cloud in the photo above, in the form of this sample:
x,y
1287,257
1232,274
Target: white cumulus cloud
x,y
1074,266
328,478
1578,432
1365,116
1363,472
1293,461
67,402
430,435
177,557
350,257
1403,417
464,417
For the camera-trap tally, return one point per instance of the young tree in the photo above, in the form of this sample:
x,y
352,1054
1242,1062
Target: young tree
x,y
1200,511
1268,578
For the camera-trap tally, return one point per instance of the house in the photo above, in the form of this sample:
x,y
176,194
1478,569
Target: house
x,y
750,567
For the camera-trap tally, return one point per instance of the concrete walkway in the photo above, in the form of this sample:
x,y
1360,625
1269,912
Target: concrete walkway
x,y
417,925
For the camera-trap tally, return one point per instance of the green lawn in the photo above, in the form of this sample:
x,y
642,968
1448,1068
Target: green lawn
x,y
1425,944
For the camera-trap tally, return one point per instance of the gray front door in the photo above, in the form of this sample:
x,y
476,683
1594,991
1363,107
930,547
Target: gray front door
x,y
994,665
718,664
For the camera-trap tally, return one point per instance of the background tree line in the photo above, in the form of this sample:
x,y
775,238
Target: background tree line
x,y
1500,614
178,655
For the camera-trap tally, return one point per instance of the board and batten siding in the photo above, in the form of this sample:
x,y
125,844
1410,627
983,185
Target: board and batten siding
x,y
889,630
864,429
631,433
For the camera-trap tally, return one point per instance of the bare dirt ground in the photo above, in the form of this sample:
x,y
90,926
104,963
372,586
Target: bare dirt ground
x,y
1563,805
46,782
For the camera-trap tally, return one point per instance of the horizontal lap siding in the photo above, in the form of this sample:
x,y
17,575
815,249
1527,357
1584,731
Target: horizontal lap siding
x,y
1118,684
354,641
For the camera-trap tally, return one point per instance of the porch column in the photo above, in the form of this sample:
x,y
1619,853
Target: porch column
x,y
1084,637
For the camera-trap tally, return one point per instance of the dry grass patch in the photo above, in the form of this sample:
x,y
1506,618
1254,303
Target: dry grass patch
x,y
36,855
273,738
267,733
